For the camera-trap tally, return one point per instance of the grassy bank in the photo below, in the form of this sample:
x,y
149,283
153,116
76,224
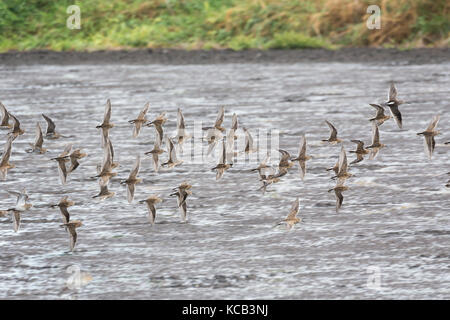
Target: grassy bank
x,y
206,24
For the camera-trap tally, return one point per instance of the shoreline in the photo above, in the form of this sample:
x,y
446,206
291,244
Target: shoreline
x,y
183,57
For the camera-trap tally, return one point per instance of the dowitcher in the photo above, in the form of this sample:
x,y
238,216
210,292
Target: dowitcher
x,y
302,157
360,151
429,134
140,120
249,147
155,152
132,179
61,160
380,117
106,124
4,163
104,193
222,166
393,104
172,161
333,139
21,200
338,189
50,133
63,204
292,218
343,173
71,227
182,134
376,145
151,202
38,142
284,163
74,157
5,117
183,191
106,173
158,123
15,130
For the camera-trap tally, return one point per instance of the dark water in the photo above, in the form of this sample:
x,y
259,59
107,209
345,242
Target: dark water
x,y
395,217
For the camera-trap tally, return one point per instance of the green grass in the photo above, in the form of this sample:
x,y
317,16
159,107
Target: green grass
x,y
208,24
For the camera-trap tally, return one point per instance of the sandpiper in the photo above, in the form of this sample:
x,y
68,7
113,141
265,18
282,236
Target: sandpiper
x,y
393,104
71,227
360,151
104,193
74,157
158,122
183,191
132,180
343,173
222,166
63,204
380,117
429,135
106,173
333,139
51,133
21,200
292,219
38,142
140,120
376,145
155,152
15,130
284,163
5,117
172,161
338,189
4,163
151,202
106,124
302,157
62,159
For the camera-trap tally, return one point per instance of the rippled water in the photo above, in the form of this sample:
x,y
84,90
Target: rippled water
x,y
395,217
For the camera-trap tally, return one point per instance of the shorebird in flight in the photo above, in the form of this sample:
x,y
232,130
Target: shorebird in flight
x,y
284,164
155,152
104,193
38,142
429,134
380,117
182,192
4,162
140,120
63,204
292,218
182,134
106,124
132,180
15,130
222,166
302,157
376,145
61,160
343,173
360,151
158,123
151,202
393,104
71,226
106,173
74,157
333,139
50,133
338,189
172,161
21,200
214,134
5,117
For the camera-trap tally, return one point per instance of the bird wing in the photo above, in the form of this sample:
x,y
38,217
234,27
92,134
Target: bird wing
x,y
134,172
62,170
380,109
66,150
219,118
302,148
342,161
333,133
143,112
5,115
50,125
234,122
130,192
39,137
294,210
433,123
396,115
392,92
16,220
152,212
65,214
7,152
107,114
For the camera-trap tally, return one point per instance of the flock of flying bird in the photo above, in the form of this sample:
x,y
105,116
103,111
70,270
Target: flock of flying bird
x,y
268,174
